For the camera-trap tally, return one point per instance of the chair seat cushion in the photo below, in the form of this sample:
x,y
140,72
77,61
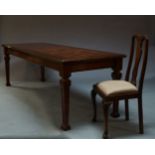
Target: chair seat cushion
x,y
116,87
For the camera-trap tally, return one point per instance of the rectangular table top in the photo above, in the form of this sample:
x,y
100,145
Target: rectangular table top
x,y
60,53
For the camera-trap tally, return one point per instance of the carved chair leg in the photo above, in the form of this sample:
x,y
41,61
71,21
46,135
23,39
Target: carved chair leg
x,y
105,112
93,95
126,110
140,115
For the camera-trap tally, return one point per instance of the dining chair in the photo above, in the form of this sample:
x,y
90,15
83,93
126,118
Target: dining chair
x,y
112,91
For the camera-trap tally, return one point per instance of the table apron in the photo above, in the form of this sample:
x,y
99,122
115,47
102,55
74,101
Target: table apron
x,y
93,65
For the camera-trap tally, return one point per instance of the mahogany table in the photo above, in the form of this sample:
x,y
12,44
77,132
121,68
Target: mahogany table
x,y
65,60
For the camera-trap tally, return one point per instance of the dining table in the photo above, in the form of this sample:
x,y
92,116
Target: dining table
x,y
66,60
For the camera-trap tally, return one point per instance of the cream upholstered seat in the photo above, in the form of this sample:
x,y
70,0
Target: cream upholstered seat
x,y
116,87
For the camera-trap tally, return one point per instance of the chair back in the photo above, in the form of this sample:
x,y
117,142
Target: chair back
x,y
138,55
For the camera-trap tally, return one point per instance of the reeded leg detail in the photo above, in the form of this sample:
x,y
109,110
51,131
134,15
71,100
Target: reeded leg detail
x,y
65,86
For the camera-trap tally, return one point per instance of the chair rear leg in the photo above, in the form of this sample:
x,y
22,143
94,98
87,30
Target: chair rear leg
x,y
93,95
42,71
106,113
126,110
140,115
115,112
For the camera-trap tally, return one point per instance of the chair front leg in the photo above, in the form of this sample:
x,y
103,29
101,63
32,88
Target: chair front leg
x,y
93,96
106,113
140,115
